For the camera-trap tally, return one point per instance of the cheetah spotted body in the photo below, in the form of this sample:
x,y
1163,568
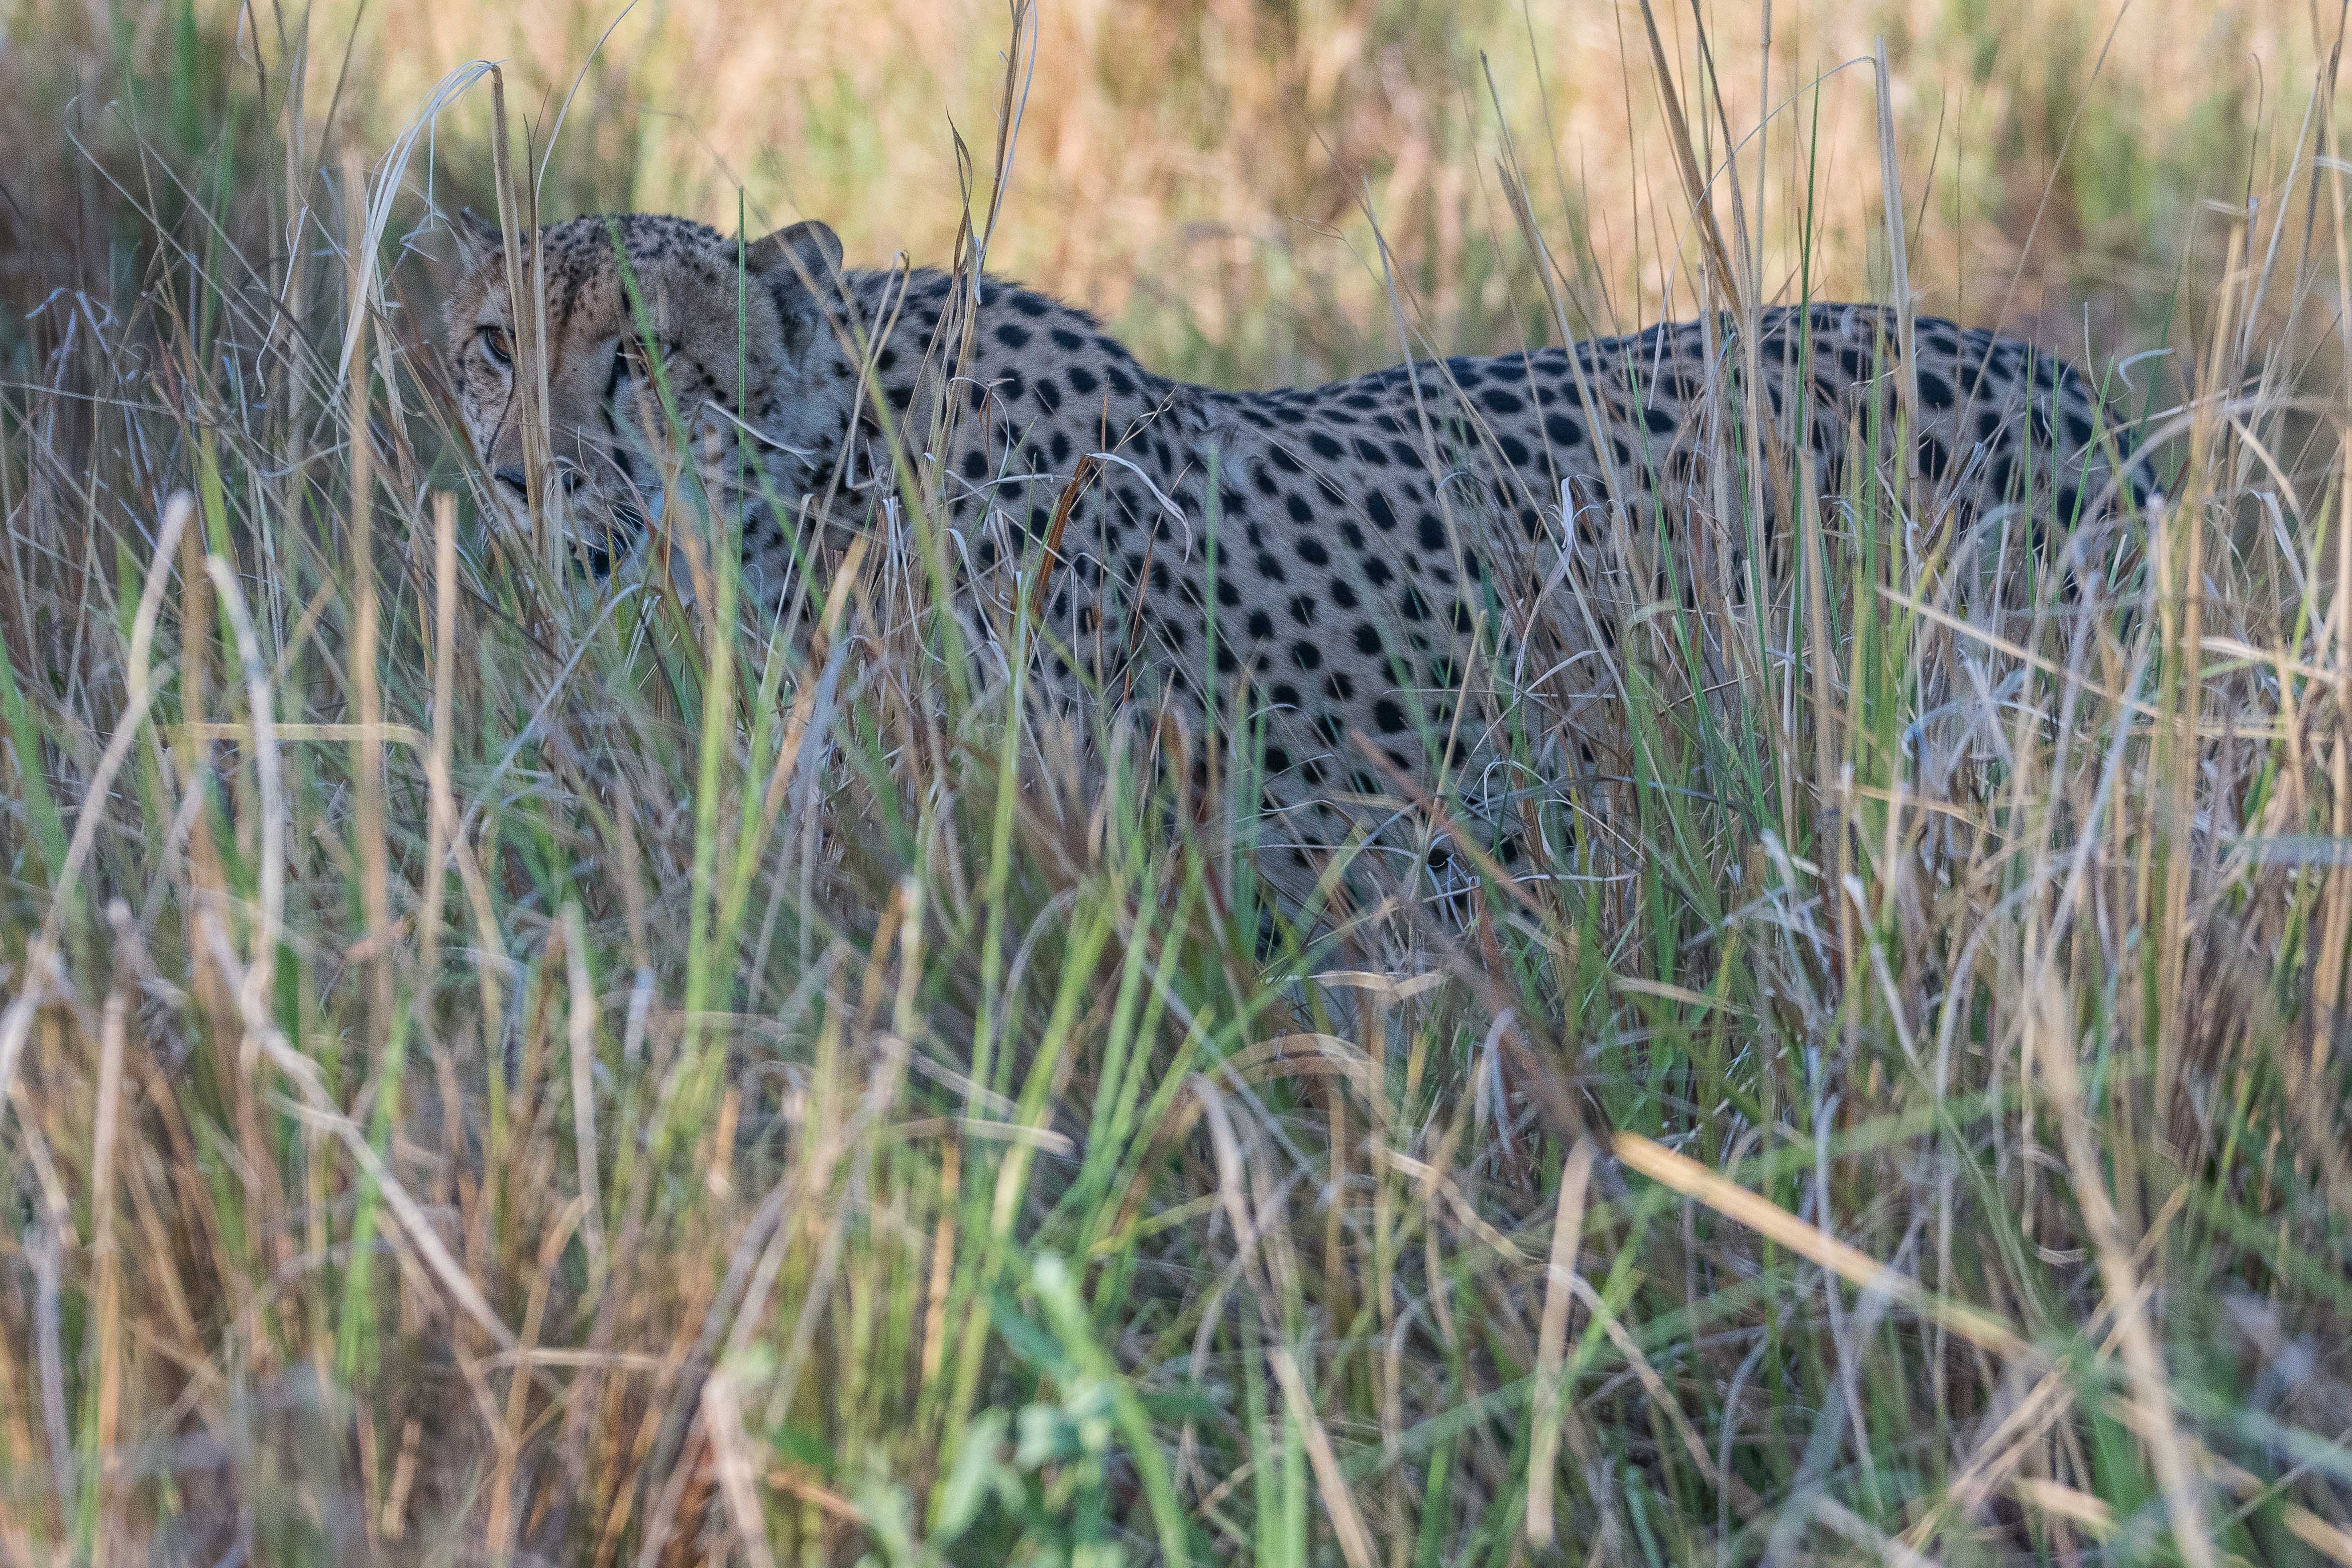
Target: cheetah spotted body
x,y
1340,553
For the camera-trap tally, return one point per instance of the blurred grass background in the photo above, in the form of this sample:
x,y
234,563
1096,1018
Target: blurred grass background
x,y
601,1086
1200,173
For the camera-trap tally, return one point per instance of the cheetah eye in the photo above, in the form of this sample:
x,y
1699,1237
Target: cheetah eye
x,y
498,346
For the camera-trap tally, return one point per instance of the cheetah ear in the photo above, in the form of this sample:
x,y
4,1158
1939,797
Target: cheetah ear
x,y
805,250
478,239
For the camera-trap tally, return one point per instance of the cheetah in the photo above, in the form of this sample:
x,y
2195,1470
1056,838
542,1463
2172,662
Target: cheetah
x,y
1328,563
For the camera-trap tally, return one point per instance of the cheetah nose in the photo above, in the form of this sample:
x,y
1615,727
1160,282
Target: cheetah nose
x,y
513,480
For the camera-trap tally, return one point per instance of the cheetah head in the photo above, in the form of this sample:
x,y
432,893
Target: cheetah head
x,y
738,337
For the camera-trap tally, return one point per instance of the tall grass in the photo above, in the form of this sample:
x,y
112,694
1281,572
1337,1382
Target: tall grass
x,y
492,1070
2055,153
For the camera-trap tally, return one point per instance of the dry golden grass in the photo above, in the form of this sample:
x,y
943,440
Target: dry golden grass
x,y
1201,173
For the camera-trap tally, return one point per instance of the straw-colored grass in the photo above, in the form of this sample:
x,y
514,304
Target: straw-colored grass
x,y
491,1071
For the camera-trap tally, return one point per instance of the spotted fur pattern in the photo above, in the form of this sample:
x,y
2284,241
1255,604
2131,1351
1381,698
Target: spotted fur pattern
x,y
1343,553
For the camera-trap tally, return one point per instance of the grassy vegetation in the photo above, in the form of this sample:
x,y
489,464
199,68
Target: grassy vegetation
x,y
493,1073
